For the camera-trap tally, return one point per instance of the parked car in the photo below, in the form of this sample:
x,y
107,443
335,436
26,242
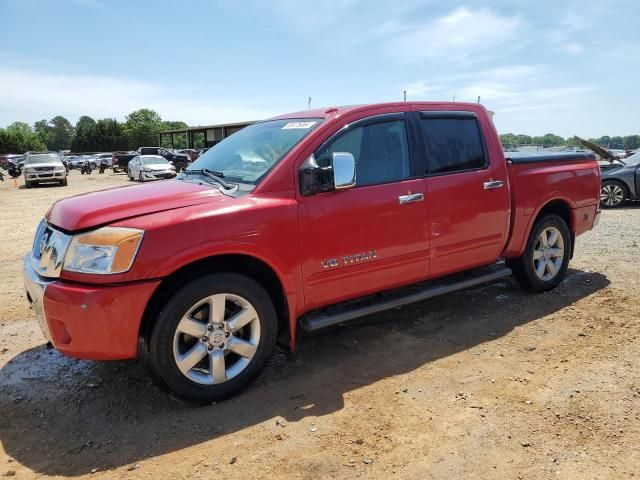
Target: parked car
x,y
620,181
296,223
121,160
192,153
150,167
102,158
44,167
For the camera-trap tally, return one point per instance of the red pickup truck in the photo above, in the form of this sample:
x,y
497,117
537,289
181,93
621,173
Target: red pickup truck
x,y
300,222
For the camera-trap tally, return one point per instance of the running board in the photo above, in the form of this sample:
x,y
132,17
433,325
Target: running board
x,y
374,304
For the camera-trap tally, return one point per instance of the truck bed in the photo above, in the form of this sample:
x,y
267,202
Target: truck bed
x,y
570,179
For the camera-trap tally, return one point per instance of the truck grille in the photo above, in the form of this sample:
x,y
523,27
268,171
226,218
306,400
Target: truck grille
x,y
44,169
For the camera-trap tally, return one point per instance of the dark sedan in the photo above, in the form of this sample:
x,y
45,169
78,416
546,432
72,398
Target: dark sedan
x,y
620,181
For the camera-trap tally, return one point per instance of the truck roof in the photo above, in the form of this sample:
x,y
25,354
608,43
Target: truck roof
x,y
326,112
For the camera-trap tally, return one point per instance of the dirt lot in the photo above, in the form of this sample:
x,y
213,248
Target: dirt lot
x,y
490,383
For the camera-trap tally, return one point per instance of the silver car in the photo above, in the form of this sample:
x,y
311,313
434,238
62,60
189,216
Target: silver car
x,y
150,167
44,167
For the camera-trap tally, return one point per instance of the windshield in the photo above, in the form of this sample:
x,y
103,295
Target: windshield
x,y
251,152
153,160
44,158
632,160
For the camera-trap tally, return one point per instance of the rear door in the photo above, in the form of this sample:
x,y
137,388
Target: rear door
x,y
468,202
372,236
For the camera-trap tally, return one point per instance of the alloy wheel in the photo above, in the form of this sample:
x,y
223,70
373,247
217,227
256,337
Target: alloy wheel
x,y
216,339
548,253
611,195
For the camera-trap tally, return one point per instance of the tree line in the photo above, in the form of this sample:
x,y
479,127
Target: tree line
x,y
140,128
510,140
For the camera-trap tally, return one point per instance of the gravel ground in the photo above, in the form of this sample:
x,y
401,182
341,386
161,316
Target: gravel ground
x,y
489,383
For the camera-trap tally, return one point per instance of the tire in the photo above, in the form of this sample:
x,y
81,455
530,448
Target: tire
x,y
140,177
613,194
64,182
28,184
256,339
180,166
131,179
549,268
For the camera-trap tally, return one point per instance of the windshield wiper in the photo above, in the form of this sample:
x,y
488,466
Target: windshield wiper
x,y
213,175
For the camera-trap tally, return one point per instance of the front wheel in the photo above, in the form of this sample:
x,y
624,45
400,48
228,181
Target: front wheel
x,y
140,177
214,336
545,260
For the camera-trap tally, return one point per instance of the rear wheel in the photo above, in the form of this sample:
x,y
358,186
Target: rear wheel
x,y
213,336
613,194
131,179
545,260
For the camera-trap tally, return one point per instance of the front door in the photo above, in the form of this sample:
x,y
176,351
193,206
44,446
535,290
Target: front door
x,y
371,237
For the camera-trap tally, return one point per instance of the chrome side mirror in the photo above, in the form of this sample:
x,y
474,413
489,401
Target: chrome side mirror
x,y
344,170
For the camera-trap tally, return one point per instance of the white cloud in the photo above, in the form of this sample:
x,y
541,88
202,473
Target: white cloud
x,y
455,36
30,95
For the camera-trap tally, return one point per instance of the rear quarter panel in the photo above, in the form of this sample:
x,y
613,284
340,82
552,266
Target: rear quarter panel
x,y
534,185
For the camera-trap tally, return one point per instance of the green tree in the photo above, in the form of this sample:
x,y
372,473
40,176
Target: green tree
x,y
109,136
25,138
8,142
61,133
632,142
84,136
142,128
43,131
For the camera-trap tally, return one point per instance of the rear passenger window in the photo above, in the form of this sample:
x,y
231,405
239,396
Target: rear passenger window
x,y
452,144
380,149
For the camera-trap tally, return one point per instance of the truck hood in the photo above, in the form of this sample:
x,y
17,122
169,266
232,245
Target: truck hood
x,y
95,209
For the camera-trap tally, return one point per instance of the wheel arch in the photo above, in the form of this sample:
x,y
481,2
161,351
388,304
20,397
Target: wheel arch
x,y
562,209
553,205
243,264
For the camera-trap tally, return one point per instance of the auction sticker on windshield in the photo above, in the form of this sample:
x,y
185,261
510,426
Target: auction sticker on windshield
x,y
291,125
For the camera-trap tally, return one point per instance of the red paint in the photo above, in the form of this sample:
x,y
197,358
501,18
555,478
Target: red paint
x,y
459,225
96,322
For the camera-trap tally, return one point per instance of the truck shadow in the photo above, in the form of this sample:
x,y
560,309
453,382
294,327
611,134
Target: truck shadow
x,y
67,417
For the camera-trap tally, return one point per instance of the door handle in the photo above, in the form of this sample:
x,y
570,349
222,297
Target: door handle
x,y
493,184
411,198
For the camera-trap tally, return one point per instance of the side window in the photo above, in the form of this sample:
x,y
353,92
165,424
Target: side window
x,y
452,144
380,149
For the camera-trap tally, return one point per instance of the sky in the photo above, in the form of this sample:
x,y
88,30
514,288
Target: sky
x,y
566,67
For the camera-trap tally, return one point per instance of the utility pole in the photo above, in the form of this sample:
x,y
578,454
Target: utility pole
x,y
405,95
478,98
309,103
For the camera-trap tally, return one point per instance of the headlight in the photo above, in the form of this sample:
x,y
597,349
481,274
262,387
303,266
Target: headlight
x,y
29,170
106,250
